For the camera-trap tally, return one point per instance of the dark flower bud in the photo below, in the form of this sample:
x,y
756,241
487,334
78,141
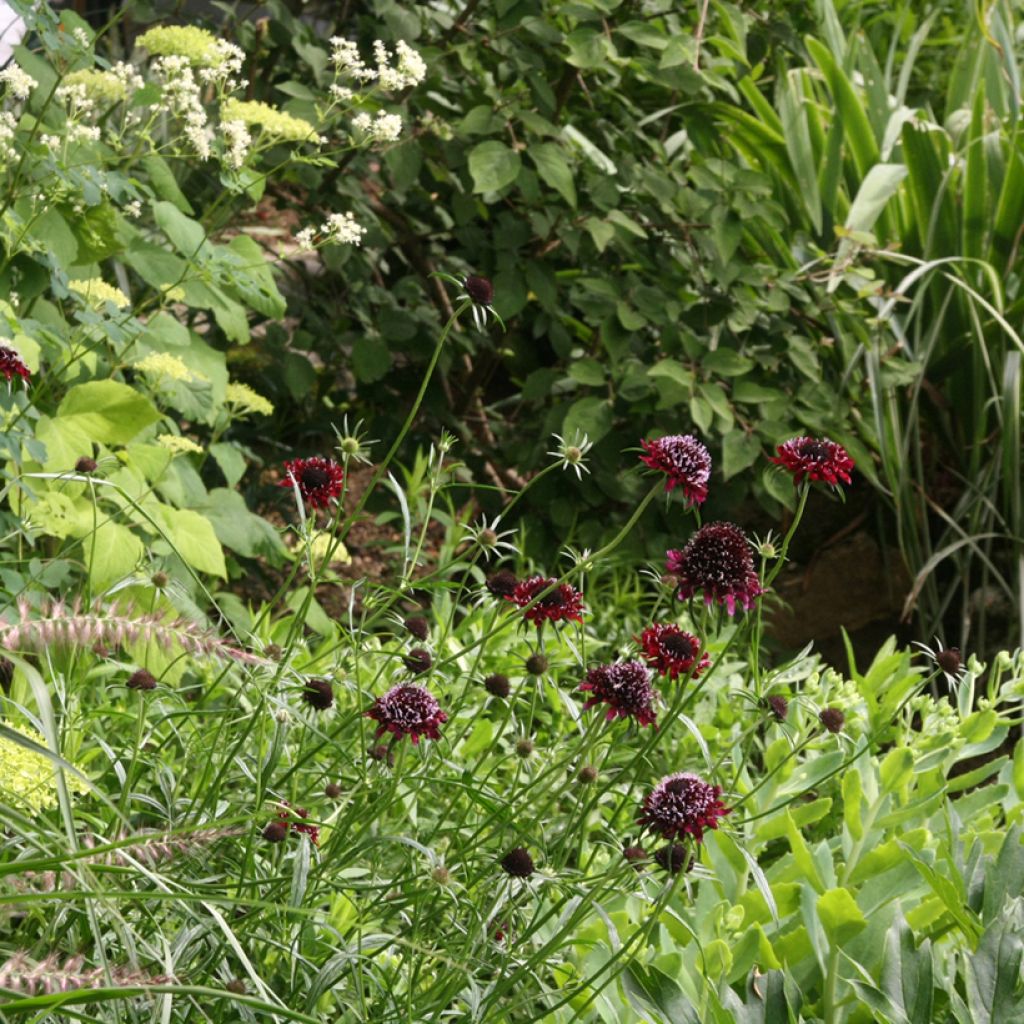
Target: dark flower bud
x,y
382,752
6,675
777,706
417,625
159,579
441,875
497,685
479,289
536,665
85,465
273,652
418,661
832,719
588,774
518,863
502,583
275,832
318,694
524,747
333,790
142,680
236,986
674,858
636,855
948,659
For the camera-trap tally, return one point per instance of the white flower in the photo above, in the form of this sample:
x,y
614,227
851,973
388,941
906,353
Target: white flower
x,y
490,538
7,127
306,239
410,69
133,209
362,122
345,57
572,455
84,133
19,83
340,93
237,140
343,229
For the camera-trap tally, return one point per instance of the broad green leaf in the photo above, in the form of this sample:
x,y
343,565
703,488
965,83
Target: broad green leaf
x,y
194,539
163,182
852,793
493,166
188,236
111,553
553,167
875,191
896,769
840,916
994,971
590,416
107,411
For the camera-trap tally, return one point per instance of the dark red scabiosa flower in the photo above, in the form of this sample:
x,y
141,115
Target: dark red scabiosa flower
x,y
11,363
275,832
682,805
85,465
318,694
777,706
672,652
536,665
479,289
814,459
408,711
141,680
418,661
502,583
417,625
674,857
685,462
949,660
587,774
319,480
518,863
718,561
561,602
625,687
833,719
332,790
6,675
497,685
382,752
294,818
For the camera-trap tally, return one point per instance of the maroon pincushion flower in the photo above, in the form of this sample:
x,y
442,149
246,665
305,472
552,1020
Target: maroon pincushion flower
x,y
625,687
479,289
674,857
503,583
814,458
408,711
85,465
318,694
319,480
418,661
777,705
672,651
518,862
685,462
141,680
561,602
418,626
497,685
681,805
717,560
833,719
11,363
635,855
287,816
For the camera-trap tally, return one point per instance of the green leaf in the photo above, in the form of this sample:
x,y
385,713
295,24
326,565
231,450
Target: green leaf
x,y
840,916
493,166
163,182
371,358
107,411
111,553
907,972
239,529
875,191
187,236
193,538
739,450
590,416
896,769
852,793
993,972
554,169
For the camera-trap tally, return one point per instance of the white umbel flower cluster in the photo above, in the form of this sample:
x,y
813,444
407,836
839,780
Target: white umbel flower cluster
x,y
19,83
181,97
383,127
408,69
236,142
339,229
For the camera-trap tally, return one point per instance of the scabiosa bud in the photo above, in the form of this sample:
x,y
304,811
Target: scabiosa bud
x,y
332,790
141,680
11,364
441,875
418,661
524,747
832,718
85,465
275,832
318,694
236,986
6,675
408,711
285,817
479,289
673,858
417,625
160,579
497,685
948,659
319,480
536,665
718,561
681,805
625,687
561,602
636,855
382,752
588,774
816,459
685,462
777,705
273,651
518,863
502,583
673,652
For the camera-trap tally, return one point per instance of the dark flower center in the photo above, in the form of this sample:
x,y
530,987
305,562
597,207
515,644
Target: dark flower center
x,y
677,645
555,599
816,451
314,477
479,289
